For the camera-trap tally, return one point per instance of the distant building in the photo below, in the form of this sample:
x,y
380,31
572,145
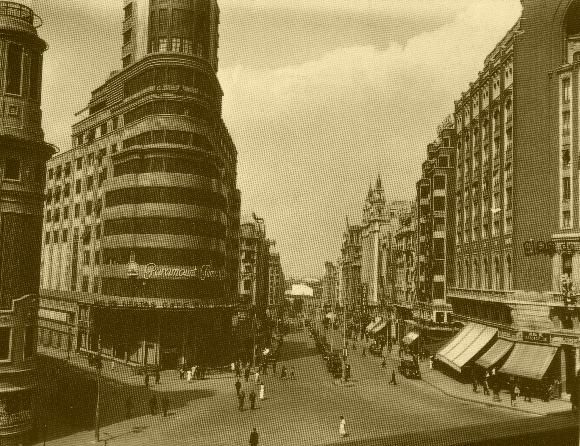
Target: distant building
x,y
275,286
254,265
330,286
351,286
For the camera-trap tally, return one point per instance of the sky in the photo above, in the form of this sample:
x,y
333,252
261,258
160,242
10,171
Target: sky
x,y
320,97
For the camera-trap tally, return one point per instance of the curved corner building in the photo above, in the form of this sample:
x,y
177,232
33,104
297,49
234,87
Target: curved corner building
x,y
23,154
149,258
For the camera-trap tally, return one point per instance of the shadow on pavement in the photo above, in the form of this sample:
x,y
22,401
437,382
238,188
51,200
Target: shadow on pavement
x,y
67,397
296,350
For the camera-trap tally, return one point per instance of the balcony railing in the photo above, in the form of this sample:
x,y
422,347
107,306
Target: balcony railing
x,y
18,11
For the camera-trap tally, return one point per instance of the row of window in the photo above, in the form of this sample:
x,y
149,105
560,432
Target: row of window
x,y
65,191
164,256
173,195
169,165
53,236
472,276
171,137
92,134
90,208
181,108
164,225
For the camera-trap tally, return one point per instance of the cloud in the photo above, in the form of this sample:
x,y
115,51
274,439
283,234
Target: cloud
x,y
311,136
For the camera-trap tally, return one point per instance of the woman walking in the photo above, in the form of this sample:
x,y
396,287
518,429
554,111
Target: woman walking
x,y
342,427
261,390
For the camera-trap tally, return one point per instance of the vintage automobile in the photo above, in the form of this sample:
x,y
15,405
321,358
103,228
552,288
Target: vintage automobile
x,y
409,369
375,349
334,365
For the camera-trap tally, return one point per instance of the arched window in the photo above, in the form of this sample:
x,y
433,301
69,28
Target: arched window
x,y
508,268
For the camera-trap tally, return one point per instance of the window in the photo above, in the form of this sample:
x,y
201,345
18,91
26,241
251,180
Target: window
x,y
128,11
85,284
439,204
566,219
444,161
566,157
127,60
96,286
78,186
35,70
566,90
87,258
55,237
47,238
247,285
115,123
5,338
508,198
48,216
566,123
176,44
67,169
50,174
77,210
103,129
162,45
439,317
14,69
58,172
89,208
65,213
163,21
29,341
57,193
114,148
127,37
65,235
98,232
567,265
97,257
66,191
12,170
90,159
566,188
90,182
439,182
56,215
79,163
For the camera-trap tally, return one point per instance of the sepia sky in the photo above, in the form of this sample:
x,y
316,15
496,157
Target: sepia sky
x,y
320,96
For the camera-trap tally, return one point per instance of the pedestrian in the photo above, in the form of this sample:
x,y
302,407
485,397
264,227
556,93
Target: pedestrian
x,y
157,376
237,369
146,379
393,380
233,367
342,427
238,386
265,371
513,394
292,374
181,372
431,362
389,348
247,373
164,405
284,373
252,398
241,400
261,390
256,377
128,407
194,371
254,438
153,405
485,387
527,394
189,375
474,384
384,363
274,366
364,351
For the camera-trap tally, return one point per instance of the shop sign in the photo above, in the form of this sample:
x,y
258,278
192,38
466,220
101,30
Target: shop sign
x,y
147,303
569,340
154,271
534,336
550,247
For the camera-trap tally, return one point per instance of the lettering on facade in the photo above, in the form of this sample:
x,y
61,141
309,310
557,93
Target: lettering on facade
x,y
154,271
569,340
534,336
141,303
539,247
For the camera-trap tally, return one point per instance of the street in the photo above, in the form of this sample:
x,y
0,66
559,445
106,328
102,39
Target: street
x,y
307,410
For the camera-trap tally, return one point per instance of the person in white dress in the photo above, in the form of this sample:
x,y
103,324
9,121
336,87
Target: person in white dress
x,y
189,375
257,377
261,390
342,427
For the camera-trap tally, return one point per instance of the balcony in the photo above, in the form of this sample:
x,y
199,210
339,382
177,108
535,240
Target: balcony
x,y
18,11
15,419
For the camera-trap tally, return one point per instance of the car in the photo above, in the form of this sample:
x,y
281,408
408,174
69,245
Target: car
x,y
375,349
409,369
334,365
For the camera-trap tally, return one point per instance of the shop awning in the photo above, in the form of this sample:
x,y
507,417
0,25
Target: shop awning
x,y
330,316
372,325
495,354
467,344
410,337
529,360
379,327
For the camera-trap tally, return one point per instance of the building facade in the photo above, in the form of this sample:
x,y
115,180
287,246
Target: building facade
x,y
517,185
276,286
23,154
140,256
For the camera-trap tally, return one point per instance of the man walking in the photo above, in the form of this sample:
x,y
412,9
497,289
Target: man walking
x,y
342,427
238,386
146,379
157,376
393,380
252,398
254,438
165,406
241,400
247,374
274,366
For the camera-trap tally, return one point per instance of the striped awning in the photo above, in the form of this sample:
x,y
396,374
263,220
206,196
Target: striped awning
x,y
379,327
466,345
373,324
529,360
495,354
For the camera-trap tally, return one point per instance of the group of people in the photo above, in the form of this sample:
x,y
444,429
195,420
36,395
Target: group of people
x,y
195,372
146,377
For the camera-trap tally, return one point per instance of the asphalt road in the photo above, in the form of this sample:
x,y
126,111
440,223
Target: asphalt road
x,y
306,411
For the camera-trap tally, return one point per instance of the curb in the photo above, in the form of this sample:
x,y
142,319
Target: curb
x,y
491,403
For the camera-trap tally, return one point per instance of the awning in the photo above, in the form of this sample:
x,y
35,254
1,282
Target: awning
x,y
495,354
379,327
410,337
529,360
373,324
330,316
467,344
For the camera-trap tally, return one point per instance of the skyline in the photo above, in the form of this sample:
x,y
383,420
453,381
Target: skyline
x,y
336,108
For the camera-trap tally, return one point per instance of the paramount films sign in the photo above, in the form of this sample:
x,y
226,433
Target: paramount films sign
x,y
549,247
154,271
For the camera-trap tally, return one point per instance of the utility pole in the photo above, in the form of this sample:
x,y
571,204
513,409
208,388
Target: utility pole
x,y
99,366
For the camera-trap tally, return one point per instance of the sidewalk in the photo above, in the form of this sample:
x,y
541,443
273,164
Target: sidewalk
x,y
456,389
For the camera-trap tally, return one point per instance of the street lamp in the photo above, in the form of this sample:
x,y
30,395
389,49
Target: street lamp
x,y
99,367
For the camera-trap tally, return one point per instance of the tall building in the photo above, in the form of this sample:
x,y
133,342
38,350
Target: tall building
x,y
352,291
23,154
517,185
330,286
436,220
140,256
276,286
406,262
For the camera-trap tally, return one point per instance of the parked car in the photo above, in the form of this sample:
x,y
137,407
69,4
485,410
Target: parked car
x,y
334,365
375,349
409,369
